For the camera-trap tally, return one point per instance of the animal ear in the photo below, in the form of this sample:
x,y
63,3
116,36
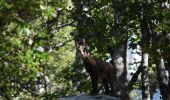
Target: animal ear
x,y
80,40
84,41
77,40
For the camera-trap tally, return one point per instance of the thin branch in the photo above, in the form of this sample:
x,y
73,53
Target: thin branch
x,y
67,24
64,43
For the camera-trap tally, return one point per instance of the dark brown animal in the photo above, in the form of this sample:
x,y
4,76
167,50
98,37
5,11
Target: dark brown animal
x,y
97,69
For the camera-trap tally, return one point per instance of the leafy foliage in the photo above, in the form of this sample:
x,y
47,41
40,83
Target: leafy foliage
x,y
38,36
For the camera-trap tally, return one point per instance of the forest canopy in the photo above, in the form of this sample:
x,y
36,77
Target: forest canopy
x,y
38,55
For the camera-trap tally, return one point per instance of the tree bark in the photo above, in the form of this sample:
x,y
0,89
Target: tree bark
x,y
162,78
146,39
169,78
77,70
145,77
161,71
119,54
168,68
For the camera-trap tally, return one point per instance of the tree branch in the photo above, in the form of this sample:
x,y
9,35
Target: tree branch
x,y
67,24
64,43
134,78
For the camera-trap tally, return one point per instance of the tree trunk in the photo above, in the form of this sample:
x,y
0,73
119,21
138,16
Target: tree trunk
x,y
77,70
145,77
146,39
169,78
119,54
168,68
160,64
161,72
162,78
167,56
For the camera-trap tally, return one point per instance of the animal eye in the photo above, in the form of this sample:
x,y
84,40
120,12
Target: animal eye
x,y
80,43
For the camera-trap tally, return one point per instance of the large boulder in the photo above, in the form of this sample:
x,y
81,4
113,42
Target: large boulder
x,y
88,97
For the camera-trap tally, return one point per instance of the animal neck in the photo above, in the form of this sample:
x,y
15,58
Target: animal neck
x,y
87,59
85,55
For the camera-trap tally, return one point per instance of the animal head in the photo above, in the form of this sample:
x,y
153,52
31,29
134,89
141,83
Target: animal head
x,y
81,45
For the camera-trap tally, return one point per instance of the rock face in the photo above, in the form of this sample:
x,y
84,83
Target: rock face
x,y
87,97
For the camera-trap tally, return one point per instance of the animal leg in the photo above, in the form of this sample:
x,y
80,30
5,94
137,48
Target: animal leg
x,y
106,87
94,81
112,83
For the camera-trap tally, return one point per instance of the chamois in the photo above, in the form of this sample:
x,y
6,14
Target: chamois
x,y
97,69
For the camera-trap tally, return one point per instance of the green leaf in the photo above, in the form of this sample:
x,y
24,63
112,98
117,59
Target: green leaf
x,y
16,42
27,31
